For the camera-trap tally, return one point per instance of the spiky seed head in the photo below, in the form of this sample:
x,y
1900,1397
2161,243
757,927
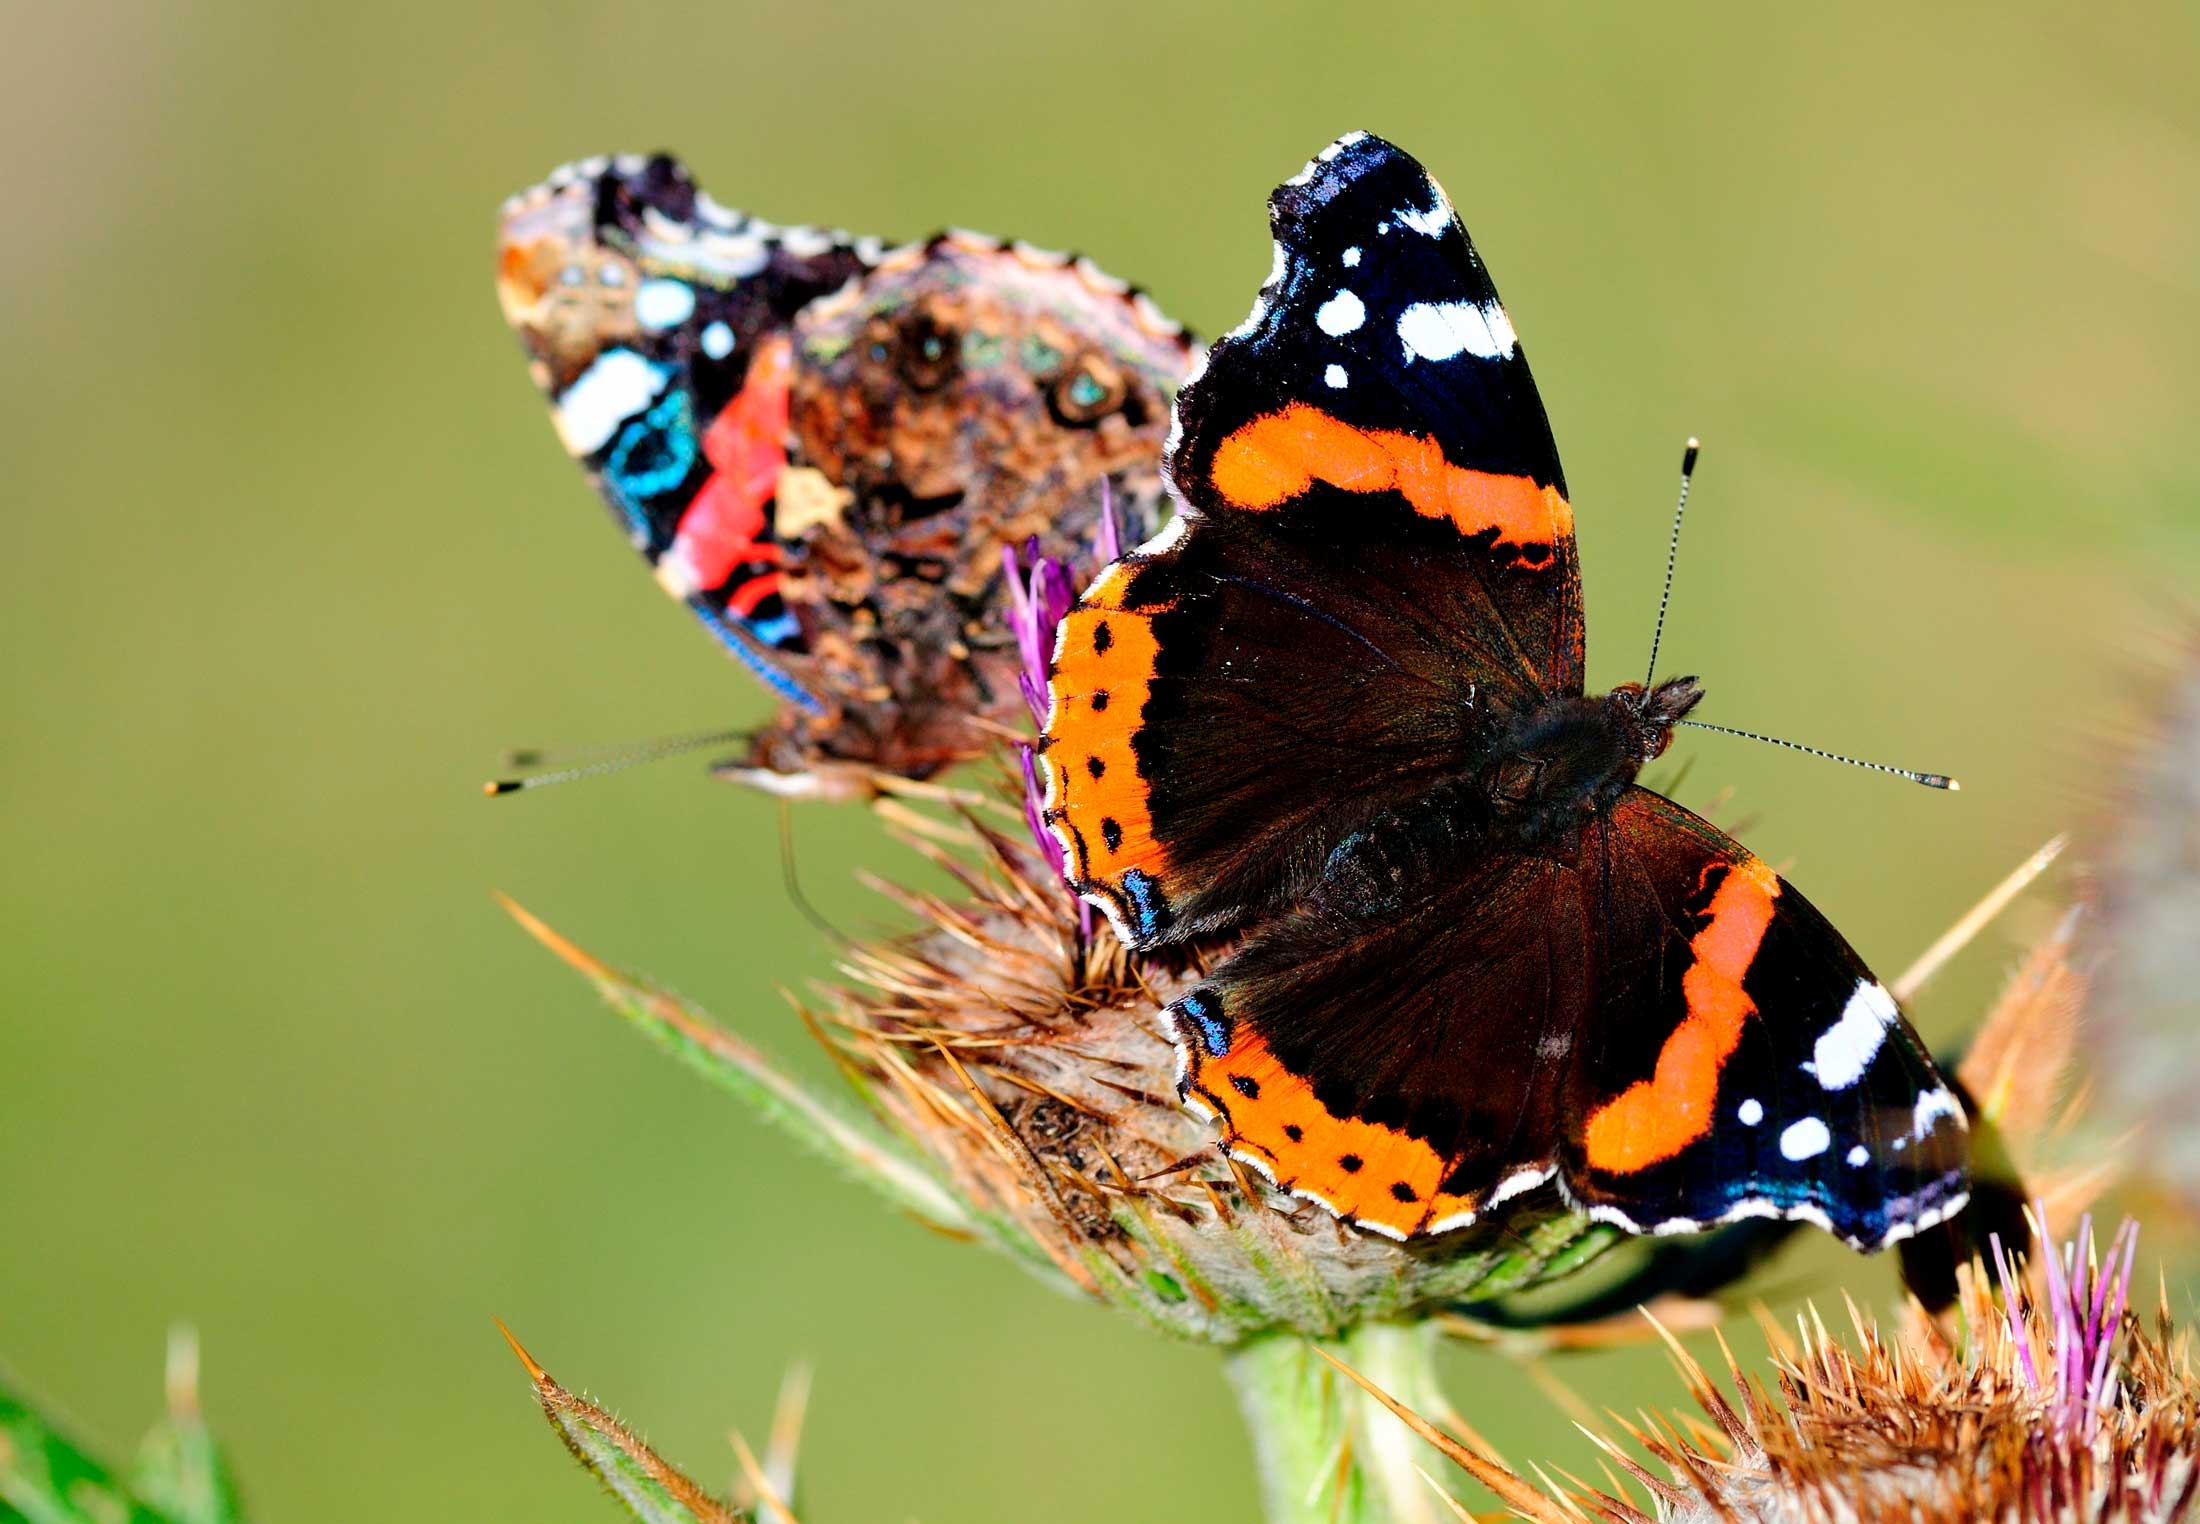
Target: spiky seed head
x,y
2056,1405
1024,1056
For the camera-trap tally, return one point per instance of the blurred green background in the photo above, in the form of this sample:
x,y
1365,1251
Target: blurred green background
x,y
292,553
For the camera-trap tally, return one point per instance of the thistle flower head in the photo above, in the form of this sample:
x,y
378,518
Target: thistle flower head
x,y
1025,1061
2054,1406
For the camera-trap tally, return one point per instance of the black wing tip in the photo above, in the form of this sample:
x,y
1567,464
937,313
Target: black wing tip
x,y
1343,163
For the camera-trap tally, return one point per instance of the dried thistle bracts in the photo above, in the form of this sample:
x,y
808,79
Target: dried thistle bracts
x,y
1025,1058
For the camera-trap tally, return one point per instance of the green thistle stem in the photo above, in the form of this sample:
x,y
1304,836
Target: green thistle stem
x,y
1328,1453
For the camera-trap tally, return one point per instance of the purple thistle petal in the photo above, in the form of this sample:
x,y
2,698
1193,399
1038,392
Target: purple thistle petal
x,y
2082,1304
1037,600
1019,605
2012,1311
1109,545
2104,1332
1035,815
2103,1278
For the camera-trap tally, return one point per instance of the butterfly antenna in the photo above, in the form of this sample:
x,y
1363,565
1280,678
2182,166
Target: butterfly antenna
x,y
1930,780
594,761
1672,555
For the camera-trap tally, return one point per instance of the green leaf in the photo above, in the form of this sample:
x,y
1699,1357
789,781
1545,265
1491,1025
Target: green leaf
x,y
651,1489
46,1479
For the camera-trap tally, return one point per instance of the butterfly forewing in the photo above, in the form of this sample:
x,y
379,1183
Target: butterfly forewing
x,y
1372,576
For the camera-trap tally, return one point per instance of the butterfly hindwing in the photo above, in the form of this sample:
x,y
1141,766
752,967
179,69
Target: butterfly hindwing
x,y
1392,1047
1370,578
1660,1023
1752,1066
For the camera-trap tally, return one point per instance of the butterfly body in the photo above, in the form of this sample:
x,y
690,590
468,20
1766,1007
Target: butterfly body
x,y
1333,723
1572,759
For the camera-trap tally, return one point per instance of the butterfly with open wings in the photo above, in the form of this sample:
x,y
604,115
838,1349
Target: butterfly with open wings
x,y
1335,715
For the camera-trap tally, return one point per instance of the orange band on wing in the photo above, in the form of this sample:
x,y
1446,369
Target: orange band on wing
x,y
1654,1119
1277,456
1377,1175
1103,671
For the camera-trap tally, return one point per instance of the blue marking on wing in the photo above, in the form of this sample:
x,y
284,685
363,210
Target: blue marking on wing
x,y
1146,899
1206,1013
655,452
772,631
743,644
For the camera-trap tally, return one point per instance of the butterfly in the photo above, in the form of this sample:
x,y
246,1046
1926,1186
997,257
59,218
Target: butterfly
x,y
821,444
1332,720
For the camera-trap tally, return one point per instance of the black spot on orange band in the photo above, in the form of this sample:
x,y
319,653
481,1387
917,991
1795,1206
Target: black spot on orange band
x,y
1356,1167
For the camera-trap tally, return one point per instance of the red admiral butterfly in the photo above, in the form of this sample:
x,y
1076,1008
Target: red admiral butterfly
x,y
821,444
1336,711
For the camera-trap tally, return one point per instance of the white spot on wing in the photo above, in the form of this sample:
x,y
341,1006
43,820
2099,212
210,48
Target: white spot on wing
x,y
1846,1049
1860,1155
676,572
1806,1139
1352,256
731,256
806,243
662,304
1932,1105
1445,330
1340,314
1750,1112
620,384
717,341
1434,220
1336,378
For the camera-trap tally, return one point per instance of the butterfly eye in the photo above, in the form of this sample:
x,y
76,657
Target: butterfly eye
x,y
926,353
1085,392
